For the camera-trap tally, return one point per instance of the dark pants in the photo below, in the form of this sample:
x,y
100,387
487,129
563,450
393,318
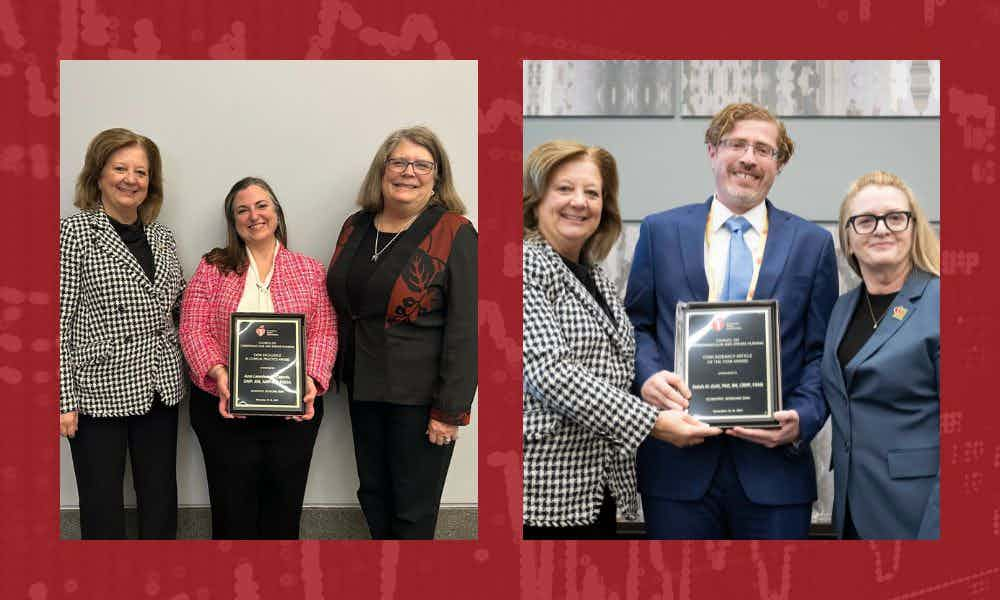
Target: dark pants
x,y
401,472
850,532
257,469
605,528
99,449
724,512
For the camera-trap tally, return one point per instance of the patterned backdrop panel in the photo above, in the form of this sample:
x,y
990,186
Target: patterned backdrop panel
x,y
814,88
559,88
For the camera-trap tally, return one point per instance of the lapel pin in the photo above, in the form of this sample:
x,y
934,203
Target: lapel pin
x,y
899,313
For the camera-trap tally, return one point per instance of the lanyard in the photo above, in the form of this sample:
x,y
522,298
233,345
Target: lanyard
x,y
715,287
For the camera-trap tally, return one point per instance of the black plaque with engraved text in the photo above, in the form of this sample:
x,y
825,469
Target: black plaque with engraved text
x,y
730,356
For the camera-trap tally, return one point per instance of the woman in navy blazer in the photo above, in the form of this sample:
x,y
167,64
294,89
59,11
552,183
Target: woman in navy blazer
x,y
881,367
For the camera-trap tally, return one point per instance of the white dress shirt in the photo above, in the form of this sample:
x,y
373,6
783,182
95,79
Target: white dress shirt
x,y
717,244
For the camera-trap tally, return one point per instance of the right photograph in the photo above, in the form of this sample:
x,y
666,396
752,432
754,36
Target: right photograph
x,y
731,285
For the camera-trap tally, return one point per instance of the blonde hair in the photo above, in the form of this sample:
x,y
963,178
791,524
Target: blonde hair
x,y
543,162
370,194
99,151
925,252
724,121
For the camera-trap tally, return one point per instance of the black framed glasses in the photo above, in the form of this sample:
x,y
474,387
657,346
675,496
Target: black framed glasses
x,y
739,146
894,221
420,167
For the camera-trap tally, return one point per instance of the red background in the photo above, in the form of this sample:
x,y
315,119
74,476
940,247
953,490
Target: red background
x,y
35,564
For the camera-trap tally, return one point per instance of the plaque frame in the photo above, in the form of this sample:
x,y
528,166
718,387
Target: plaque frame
x,y
772,359
239,404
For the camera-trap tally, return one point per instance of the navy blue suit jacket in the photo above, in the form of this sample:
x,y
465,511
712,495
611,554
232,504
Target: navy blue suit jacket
x,y
886,413
799,269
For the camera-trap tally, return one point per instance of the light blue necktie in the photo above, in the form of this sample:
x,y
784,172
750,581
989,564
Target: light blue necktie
x,y
740,268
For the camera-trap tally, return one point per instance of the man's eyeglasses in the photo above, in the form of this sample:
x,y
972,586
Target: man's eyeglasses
x,y
738,146
894,221
420,167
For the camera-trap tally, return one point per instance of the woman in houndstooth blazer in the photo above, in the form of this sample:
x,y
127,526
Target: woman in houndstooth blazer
x,y
257,466
120,381
581,425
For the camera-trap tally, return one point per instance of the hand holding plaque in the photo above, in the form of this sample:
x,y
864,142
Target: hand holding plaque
x,y
665,390
681,429
729,354
786,433
267,364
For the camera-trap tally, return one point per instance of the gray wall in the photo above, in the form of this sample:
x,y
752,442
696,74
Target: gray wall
x,y
310,129
663,161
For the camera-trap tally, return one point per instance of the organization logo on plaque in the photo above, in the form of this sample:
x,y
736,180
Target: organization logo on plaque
x,y
267,364
730,356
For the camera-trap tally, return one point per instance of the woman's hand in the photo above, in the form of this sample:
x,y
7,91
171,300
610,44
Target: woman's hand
x,y
308,400
68,423
221,376
440,433
666,390
681,429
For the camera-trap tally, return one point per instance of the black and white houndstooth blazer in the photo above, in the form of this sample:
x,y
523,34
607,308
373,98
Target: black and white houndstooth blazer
x,y
581,425
117,330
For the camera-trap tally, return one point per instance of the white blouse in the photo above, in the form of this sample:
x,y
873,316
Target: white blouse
x,y
256,293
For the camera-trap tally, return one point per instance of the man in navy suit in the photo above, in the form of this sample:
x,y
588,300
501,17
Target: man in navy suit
x,y
750,483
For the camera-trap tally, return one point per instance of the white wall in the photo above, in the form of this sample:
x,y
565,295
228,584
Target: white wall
x,y
310,129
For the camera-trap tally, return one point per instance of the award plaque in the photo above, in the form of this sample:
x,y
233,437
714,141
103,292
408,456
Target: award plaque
x,y
267,364
729,353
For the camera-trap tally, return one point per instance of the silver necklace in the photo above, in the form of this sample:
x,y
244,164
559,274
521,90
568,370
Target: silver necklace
x,y
378,252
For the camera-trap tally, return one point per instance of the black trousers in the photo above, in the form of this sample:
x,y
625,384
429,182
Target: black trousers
x,y
604,528
257,469
99,449
401,473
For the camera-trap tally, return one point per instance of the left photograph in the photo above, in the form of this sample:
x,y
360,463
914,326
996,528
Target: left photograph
x,y
268,300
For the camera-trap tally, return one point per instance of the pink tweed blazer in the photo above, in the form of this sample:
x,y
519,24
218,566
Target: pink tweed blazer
x,y
297,286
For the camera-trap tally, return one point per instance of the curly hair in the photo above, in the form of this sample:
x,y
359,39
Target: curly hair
x,y
724,121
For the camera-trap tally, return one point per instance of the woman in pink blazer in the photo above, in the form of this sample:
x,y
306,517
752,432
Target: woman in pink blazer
x,y
256,466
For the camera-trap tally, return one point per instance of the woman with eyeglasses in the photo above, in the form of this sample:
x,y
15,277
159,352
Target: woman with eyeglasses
x,y
403,282
881,367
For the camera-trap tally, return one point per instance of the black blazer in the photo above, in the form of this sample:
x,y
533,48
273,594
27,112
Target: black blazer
x,y
415,340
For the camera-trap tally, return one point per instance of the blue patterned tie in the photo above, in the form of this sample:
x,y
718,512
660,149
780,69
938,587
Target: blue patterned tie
x,y
740,261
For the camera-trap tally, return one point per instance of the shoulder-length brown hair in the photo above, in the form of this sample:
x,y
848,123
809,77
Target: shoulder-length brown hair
x,y
925,253
99,151
543,162
233,258
370,194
